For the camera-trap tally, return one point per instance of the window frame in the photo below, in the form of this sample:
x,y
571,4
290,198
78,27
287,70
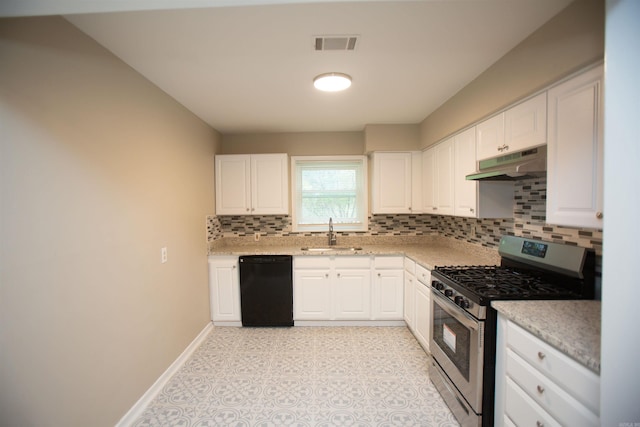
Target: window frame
x,y
362,192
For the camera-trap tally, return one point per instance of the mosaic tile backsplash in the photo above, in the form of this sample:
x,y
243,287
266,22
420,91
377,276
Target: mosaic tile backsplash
x,y
528,221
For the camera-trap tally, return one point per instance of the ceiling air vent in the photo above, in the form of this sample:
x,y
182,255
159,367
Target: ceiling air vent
x,y
326,43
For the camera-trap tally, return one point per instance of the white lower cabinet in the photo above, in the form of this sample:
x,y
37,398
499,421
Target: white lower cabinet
x,y
409,292
347,288
352,288
312,296
224,290
388,288
422,325
536,384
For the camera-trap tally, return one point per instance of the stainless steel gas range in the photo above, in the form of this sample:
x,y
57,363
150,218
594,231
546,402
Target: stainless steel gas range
x,y
463,331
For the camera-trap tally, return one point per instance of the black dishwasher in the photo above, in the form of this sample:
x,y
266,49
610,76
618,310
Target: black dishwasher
x,y
266,290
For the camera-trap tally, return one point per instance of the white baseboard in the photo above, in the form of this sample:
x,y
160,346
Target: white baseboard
x,y
142,403
349,323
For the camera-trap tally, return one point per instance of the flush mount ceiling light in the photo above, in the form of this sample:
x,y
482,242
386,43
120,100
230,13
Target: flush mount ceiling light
x,y
332,82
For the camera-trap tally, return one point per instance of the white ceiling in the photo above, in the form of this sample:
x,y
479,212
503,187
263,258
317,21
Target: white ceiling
x,y
250,68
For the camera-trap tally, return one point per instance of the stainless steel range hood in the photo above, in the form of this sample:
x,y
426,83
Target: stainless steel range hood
x,y
524,164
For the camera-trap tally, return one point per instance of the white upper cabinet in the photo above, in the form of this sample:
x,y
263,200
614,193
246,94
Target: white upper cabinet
x,y
525,125
437,178
520,127
575,151
252,184
392,184
490,134
465,192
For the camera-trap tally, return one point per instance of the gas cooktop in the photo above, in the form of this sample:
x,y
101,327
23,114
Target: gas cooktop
x,y
496,282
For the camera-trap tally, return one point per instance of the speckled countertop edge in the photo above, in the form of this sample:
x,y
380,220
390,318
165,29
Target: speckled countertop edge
x,y
428,251
573,327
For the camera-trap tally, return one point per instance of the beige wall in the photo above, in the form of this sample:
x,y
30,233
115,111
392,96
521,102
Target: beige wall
x,y
571,40
99,170
295,144
391,137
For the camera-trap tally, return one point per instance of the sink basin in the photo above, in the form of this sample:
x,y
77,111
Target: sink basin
x,y
332,248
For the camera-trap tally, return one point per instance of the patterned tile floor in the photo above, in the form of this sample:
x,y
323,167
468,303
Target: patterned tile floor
x,y
302,376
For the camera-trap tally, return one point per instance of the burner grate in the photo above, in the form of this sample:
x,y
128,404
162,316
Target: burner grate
x,y
503,282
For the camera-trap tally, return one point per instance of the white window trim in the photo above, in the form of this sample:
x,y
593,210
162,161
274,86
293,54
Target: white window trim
x,y
337,227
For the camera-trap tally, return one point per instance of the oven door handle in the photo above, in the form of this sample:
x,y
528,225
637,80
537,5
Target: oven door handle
x,y
455,311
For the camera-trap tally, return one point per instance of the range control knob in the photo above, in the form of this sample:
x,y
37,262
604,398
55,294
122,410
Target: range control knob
x,y
438,285
461,301
448,292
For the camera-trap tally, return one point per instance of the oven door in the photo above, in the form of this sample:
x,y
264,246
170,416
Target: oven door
x,y
456,344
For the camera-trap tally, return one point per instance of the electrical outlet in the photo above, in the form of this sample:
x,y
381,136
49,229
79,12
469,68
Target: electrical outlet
x,y
256,236
163,255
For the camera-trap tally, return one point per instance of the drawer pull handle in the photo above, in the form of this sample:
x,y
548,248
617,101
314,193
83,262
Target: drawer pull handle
x,y
539,424
540,389
541,355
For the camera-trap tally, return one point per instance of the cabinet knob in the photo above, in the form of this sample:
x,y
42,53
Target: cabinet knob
x,y
541,355
472,210
540,389
338,275
539,424
233,267
379,275
599,215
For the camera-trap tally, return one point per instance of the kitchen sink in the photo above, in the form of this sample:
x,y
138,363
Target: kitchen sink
x,y
332,249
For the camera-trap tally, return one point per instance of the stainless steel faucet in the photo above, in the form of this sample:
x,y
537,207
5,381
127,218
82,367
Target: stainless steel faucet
x,y
332,236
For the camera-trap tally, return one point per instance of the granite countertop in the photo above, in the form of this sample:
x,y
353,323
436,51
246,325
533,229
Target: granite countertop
x,y
573,326
428,251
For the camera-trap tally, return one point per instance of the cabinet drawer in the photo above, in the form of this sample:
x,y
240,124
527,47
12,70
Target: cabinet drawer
x,y
522,410
390,262
577,380
343,261
423,275
318,262
410,265
553,399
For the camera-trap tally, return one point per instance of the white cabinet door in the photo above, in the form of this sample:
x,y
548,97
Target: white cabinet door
x,y
224,289
233,184
490,137
391,189
269,184
444,177
437,178
429,181
465,192
423,314
416,182
388,300
423,306
525,125
312,295
352,294
575,151
409,299
255,184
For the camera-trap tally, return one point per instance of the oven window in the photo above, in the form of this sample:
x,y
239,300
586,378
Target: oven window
x,y
453,338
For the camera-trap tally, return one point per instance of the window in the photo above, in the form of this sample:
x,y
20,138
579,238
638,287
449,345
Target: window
x,y
329,187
